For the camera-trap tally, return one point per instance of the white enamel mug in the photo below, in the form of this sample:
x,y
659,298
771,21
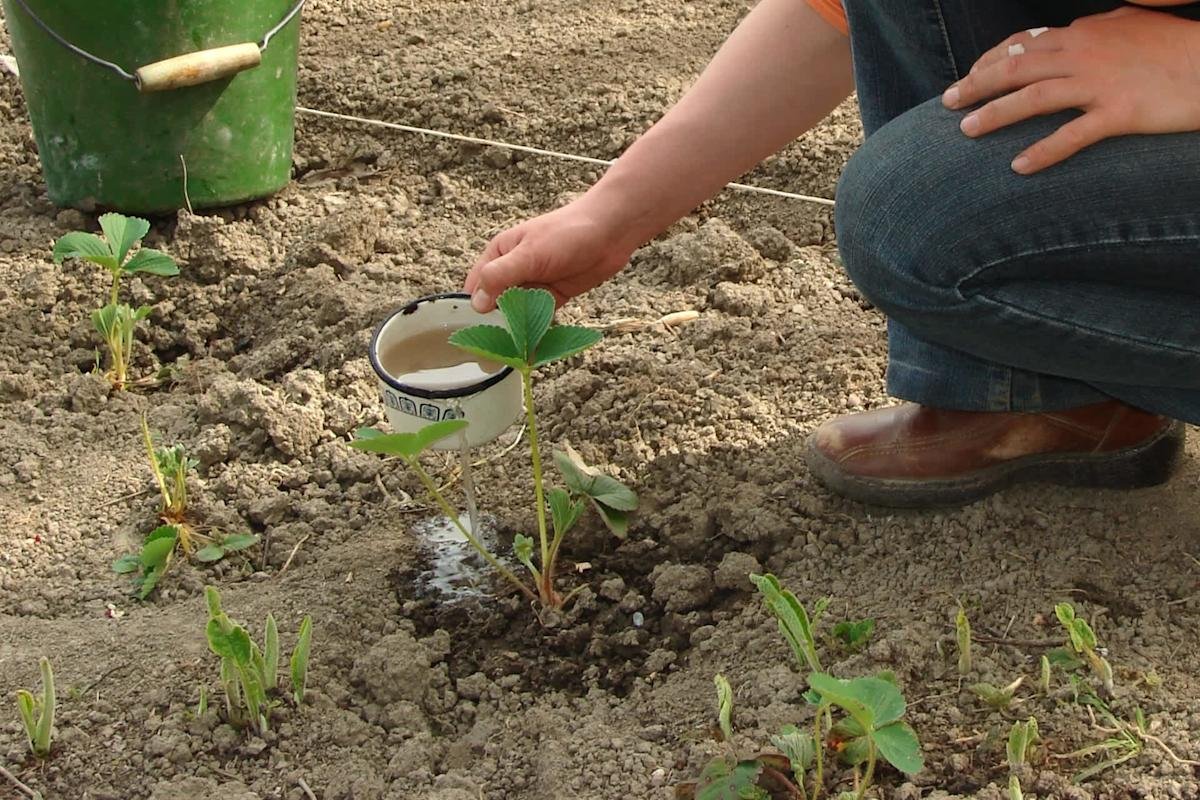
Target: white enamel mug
x,y
490,405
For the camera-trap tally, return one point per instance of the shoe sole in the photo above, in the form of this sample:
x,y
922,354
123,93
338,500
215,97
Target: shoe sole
x,y
1148,464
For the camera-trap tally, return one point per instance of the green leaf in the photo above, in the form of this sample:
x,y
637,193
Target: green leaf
x,y
1082,635
564,511
854,634
523,550
139,314
299,663
899,746
213,552
1020,739
564,341
122,233
406,445
617,521
1065,613
798,746
719,781
147,583
854,752
152,262
159,546
229,641
724,706
490,342
104,320
130,562
271,653
27,708
793,620
593,483
872,702
212,598
86,246
528,314
239,541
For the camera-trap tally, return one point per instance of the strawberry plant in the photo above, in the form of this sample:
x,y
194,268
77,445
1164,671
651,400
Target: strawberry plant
x,y
170,467
37,713
250,674
116,321
871,726
527,341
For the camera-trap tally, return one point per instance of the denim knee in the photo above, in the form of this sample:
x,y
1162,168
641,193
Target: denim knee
x,y
896,212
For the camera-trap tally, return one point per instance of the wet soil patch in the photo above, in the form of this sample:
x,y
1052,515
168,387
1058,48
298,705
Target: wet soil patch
x,y
611,633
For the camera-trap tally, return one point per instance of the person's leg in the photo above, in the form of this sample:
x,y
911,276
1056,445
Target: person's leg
x,y
905,53
1088,272
1008,293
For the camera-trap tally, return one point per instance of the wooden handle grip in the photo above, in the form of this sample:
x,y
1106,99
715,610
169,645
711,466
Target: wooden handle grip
x,y
196,68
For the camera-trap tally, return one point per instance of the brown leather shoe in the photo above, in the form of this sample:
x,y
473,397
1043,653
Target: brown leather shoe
x,y
913,456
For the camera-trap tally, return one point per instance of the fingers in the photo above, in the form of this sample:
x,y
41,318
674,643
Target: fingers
x,y
1063,143
1044,97
1030,41
493,277
1014,72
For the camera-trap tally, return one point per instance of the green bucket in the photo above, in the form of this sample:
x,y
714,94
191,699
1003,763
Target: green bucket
x,y
147,106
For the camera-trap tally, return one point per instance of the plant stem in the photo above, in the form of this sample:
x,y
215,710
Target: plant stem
x,y
818,756
432,488
546,589
870,774
154,467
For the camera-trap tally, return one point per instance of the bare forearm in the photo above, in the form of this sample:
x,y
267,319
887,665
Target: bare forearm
x,y
780,73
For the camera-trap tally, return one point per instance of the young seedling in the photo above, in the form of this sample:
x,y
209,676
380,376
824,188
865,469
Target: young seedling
x,y
803,754
170,466
997,697
794,621
1044,675
759,778
151,562
249,675
528,341
116,321
37,713
1021,740
409,447
1083,641
874,708
158,550
299,663
962,634
854,634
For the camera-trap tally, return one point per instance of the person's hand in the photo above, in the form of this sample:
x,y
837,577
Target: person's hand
x,y
1129,71
567,251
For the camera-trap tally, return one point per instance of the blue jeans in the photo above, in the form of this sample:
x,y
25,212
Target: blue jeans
x,y
1006,292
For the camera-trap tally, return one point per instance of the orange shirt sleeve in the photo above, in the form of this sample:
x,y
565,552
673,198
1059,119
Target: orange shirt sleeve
x,y
832,12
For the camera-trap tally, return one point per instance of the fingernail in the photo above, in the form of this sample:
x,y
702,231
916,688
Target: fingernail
x,y
950,97
970,124
481,301
1020,164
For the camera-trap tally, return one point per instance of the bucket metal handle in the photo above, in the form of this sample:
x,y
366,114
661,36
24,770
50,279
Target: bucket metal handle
x,y
189,69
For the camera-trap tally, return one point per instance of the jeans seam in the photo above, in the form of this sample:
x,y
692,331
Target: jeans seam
x,y
937,7
1054,321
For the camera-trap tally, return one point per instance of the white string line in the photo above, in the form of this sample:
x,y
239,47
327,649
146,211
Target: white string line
x,y
537,151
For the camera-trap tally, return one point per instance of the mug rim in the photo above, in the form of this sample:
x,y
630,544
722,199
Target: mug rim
x,y
416,391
